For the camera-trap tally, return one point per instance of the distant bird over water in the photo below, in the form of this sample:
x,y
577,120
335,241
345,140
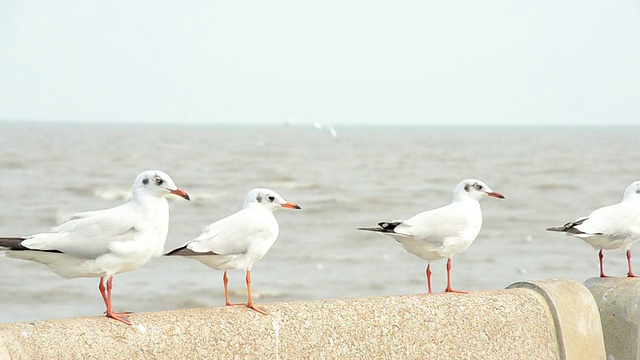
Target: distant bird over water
x,y
611,227
239,240
107,242
445,231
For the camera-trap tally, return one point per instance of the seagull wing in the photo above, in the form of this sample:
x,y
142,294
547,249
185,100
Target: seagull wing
x,y
431,228
621,220
89,235
234,234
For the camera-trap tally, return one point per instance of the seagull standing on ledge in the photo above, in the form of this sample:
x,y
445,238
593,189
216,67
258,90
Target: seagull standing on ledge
x,y
445,231
105,242
239,240
611,227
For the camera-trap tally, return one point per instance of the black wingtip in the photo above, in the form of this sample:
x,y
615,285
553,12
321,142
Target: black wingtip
x,y
384,227
561,229
570,227
371,229
183,251
175,251
12,243
389,226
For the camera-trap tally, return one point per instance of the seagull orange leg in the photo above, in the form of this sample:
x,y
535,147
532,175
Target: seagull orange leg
x,y
429,277
250,303
630,274
449,289
601,256
225,281
110,313
102,291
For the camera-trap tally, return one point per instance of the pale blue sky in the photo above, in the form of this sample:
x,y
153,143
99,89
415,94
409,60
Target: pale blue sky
x,y
335,62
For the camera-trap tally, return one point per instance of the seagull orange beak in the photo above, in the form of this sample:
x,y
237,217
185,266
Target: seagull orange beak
x,y
496,195
183,194
291,205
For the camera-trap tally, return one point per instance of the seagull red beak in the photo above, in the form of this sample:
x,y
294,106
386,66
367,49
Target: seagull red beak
x,y
183,194
291,205
496,195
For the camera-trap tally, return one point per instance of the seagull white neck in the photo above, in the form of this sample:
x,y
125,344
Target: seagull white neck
x,y
469,206
152,205
464,197
155,210
254,206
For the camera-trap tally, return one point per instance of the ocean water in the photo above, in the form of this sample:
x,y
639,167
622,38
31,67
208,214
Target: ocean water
x,y
549,176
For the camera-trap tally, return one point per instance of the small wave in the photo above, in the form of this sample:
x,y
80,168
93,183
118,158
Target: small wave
x,y
205,196
80,190
14,164
113,194
255,294
187,302
294,185
556,186
320,205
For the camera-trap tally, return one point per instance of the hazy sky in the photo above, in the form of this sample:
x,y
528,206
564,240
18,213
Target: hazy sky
x,y
336,62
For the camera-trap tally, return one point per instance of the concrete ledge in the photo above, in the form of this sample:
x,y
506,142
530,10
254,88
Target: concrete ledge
x,y
515,323
619,302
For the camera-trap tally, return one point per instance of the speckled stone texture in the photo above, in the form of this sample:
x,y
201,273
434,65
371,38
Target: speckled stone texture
x,y
618,300
506,324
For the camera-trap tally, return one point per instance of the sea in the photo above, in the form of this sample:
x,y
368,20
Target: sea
x,y
343,178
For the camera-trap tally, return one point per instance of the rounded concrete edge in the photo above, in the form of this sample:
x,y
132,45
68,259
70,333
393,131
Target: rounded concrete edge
x,y
617,299
576,316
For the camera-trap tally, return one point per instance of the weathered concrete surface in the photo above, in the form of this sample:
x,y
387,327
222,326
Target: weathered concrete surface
x,y
515,323
575,314
618,300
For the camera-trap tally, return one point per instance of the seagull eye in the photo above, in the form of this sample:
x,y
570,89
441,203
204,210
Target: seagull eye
x,y
158,180
477,187
271,198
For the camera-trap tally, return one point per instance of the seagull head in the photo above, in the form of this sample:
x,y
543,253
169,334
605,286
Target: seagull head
x,y
157,183
632,192
268,199
475,189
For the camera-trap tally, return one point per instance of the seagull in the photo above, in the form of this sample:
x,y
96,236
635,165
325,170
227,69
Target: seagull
x,y
106,242
611,227
239,240
442,232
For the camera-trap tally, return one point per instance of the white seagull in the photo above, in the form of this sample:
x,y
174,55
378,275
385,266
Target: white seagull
x,y
445,231
105,242
239,240
611,227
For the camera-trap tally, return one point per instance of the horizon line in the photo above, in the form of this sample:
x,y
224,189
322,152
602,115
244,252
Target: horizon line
x,y
311,124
